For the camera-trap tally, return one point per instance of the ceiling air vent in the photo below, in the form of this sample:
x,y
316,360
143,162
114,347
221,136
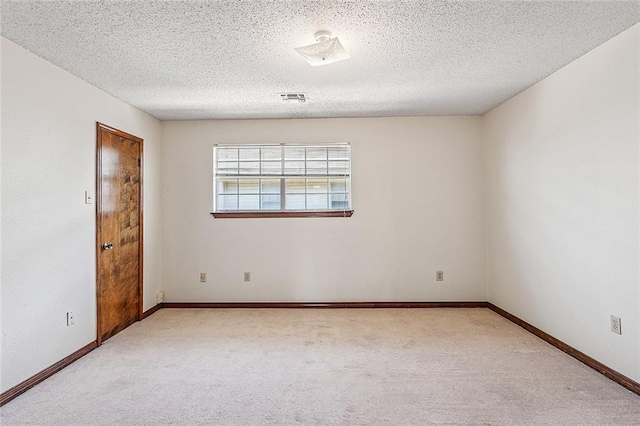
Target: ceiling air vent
x,y
293,97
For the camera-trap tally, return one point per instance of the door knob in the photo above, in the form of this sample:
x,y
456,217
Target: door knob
x,y
107,246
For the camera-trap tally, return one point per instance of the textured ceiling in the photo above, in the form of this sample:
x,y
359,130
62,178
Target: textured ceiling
x,y
231,59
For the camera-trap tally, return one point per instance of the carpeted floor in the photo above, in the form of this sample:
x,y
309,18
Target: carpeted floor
x,y
325,367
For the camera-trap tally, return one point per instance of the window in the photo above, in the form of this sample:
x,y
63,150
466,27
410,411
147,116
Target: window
x,y
282,180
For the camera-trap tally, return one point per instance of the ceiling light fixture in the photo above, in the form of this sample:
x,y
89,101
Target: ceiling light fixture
x,y
327,50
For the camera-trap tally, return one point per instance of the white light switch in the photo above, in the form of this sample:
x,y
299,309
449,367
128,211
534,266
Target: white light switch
x,y
88,197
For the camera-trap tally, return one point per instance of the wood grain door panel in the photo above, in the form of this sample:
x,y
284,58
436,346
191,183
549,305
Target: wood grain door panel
x,y
119,231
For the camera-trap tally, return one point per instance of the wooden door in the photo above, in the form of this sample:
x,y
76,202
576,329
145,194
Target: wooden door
x,y
119,230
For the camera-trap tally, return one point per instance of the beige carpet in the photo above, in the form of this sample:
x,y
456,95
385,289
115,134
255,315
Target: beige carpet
x,y
325,367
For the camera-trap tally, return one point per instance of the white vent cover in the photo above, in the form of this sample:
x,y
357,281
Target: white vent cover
x,y
293,97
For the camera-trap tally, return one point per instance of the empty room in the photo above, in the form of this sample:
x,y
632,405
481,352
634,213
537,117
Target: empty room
x,y
320,212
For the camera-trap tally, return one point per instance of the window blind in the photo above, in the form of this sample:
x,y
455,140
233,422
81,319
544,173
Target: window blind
x,y
255,178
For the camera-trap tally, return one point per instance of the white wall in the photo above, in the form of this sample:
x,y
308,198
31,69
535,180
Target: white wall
x,y
417,196
48,233
562,203
1,333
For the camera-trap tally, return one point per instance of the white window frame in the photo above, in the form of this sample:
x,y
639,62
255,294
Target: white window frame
x,y
238,169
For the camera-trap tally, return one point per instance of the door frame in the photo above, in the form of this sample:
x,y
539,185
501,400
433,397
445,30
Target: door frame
x,y
103,127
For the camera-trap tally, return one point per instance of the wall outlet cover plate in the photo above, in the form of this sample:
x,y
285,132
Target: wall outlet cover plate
x,y
616,324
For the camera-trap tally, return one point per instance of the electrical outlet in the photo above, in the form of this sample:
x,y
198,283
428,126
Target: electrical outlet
x,y
160,297
439,275
203,277
247,277
71,318
616,324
